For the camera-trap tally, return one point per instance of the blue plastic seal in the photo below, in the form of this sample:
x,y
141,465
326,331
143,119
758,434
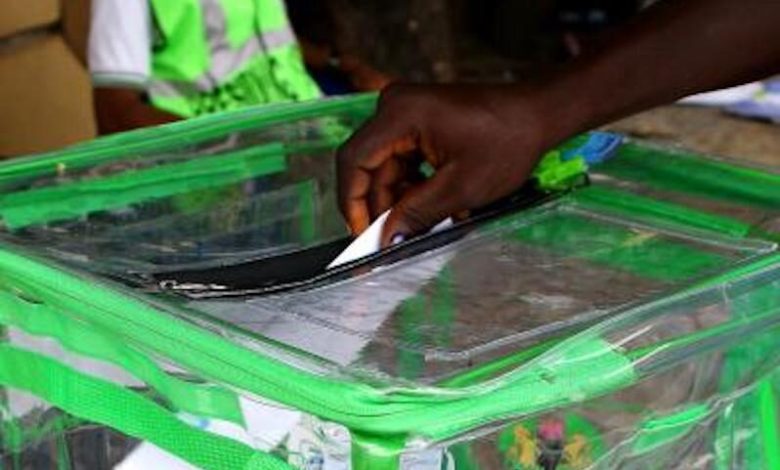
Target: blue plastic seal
x,y
599,147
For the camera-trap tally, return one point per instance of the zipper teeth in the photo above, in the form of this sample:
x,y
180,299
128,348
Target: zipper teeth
x,y
172,284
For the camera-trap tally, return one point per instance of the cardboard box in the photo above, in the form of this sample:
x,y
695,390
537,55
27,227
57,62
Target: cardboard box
x,y
44,86
17,16
75,26
46,96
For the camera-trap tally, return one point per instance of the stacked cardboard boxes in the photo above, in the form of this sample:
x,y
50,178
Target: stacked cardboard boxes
x,y
44,87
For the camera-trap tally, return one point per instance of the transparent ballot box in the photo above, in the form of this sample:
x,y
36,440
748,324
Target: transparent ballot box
x,y
166,303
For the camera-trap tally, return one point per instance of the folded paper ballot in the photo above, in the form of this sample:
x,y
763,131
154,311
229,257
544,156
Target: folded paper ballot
x,y
369,241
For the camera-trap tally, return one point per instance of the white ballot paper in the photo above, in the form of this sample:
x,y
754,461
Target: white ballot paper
x,y
369,241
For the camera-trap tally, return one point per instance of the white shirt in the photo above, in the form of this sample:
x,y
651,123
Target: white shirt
x,y
120,43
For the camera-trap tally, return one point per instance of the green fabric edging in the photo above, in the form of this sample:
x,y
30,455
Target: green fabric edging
x,y
41,320
76,199
770,429
578,370
658,431
618,246
687,173
126,411
542,385
175,135
632,206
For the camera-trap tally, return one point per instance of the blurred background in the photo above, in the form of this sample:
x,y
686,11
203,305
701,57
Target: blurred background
x,y
47,96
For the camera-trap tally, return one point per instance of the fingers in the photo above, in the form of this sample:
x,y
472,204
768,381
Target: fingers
x,y
384,182
379,140
423,206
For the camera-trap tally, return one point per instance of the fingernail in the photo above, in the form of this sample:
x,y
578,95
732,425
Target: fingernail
x,y
396,239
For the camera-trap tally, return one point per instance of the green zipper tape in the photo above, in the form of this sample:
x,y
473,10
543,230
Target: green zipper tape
x,y
633,206
630,250
434,412
37,206
542,385
551,382
770,424
126,411
176,135
41,320
690,174
659,431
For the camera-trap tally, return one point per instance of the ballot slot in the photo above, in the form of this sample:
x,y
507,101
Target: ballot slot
x,y
516,281
309,267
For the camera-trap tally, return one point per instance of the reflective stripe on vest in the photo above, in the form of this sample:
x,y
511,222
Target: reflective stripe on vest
x,y
216,55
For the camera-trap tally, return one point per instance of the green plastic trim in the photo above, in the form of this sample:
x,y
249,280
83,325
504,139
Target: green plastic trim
x,y
36,206
126,411
171,136
41,320
656,432
632,206
633,251
356,405
525,391
769,424
554,174
548,383
690,174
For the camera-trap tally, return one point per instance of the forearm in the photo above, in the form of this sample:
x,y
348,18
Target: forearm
x,y
675,49
118,110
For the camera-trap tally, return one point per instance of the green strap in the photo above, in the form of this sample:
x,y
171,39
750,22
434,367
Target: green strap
x,y
161,139
633,206
126,411
583,366
41,320
66,201
356,405
619,246
691,174
658,431
769,417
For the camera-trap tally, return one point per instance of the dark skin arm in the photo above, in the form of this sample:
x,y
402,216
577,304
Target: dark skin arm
x,y
363,76
484,140
119,109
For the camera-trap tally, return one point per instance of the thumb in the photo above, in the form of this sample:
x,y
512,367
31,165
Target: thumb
x,y
422,207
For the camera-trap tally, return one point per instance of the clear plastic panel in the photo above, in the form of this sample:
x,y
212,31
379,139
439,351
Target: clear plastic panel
x,y
604,329
708,392
207,198
510,284
746,198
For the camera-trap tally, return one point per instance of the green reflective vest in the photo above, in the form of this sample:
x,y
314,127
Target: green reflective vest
x,y
215,55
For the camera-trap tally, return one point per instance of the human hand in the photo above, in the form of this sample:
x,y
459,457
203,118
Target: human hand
x,y
482,141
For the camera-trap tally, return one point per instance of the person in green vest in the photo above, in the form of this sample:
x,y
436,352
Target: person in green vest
x,y
157,61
